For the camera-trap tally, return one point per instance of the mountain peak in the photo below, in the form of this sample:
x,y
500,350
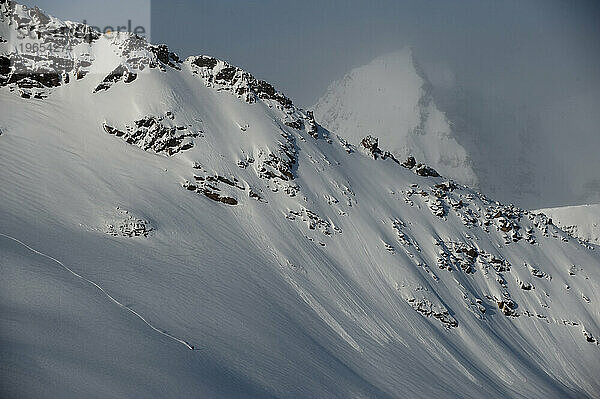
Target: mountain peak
x,y
172,227
391,99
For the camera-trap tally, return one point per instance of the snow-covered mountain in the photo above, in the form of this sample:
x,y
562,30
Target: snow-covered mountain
x,y
581,221
178,228
391,98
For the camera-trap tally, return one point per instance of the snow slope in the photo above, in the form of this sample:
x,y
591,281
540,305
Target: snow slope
x,y
196,206
581,221
390,98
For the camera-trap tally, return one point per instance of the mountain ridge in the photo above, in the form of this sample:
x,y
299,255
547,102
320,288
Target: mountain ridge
x,y
297,263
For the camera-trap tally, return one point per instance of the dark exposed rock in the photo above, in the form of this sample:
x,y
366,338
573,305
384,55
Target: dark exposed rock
x,y
589,337
33,74
371,145
164,55
226,181
118,74
312,127
506,219
313,221
538,273
466,262
31,80
254,195
409,163
226,74
279,165
500,265
127,225
80,74
295,124
130,77
345,144
210,192
436,206
426,308
472,252
216,197
150,134
507,306
112,130
4,65
389,155
266,91
525,286
446,186
276,164
217,187
205,62
236,80
424,170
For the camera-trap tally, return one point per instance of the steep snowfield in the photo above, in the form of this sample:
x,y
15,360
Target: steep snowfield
x,y
195,206
390,98
581,221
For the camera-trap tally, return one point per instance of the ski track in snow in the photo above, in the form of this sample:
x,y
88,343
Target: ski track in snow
x,y
166,334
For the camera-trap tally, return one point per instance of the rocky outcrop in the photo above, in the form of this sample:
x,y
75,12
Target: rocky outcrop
x,y
417,299
370,145
127,225
45,59
409,163
424,170
507,306
219,188
120,73
223,76
209,191
42,55
156,135
313,221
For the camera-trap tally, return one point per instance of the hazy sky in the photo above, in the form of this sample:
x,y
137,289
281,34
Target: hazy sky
x,y
526,65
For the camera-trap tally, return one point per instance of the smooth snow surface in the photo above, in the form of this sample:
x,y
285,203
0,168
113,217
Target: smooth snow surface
x,y
213,213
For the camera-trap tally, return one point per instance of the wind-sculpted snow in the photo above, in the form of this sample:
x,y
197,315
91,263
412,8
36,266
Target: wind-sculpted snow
x,y
110,297
302,264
